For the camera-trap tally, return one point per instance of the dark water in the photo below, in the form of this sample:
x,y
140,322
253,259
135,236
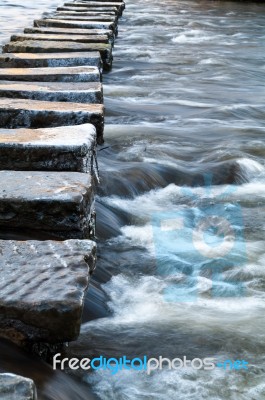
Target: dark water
x,y
184,137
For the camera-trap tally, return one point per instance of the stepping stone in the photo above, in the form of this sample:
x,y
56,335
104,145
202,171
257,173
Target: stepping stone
x,y
70,33
75,92
88,8
17,387
63,38
22,113
87,12
72,23
46,60
68,15
44,46
52,149
60,74
96,4
55,204
42,289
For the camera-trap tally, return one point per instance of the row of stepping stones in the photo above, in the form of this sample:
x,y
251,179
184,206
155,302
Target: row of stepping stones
x,y
51,119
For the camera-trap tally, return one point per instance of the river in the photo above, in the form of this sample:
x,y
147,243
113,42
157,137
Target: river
x,y
184,144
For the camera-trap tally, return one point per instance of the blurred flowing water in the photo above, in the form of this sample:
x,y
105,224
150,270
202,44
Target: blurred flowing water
x,y
185,134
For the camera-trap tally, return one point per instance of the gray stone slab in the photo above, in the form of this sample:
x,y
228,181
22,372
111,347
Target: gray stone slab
x,y
52,149
44,46
72,32
45,60
89,8
96,3
15,387
57,74
68,15
42,288
63,38
71,23
87,12
23,113
75,92
60,204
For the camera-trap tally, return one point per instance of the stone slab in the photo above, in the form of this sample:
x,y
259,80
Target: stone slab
x,y
87,12
60,37
42,289
96,3
57,74
22,113
68,15
44,46
60,204
45,60
71,23
75,92
52,149
15,387
66,31
89,8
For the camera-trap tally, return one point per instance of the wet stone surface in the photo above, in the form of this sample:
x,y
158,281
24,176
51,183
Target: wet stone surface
x,y
64,38
59,74
15,387
87,7
44,46
85,16
42,289
19,113
60,204
45,60
52,149
85,92
120,5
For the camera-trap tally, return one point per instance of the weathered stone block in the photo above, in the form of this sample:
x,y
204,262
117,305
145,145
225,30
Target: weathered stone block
x,y
87,7
72,23
15,387
68,15
75,92
63,38
42,288
57,204
96,4
72,33
44,46
44,60
57,74
20,113
52,149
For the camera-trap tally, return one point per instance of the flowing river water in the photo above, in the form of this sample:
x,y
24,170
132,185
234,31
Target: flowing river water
x,y
184,144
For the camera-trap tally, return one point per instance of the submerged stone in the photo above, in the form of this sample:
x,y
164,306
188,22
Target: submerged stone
x,y
52,149
15,387
44,60
22,113
42,289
